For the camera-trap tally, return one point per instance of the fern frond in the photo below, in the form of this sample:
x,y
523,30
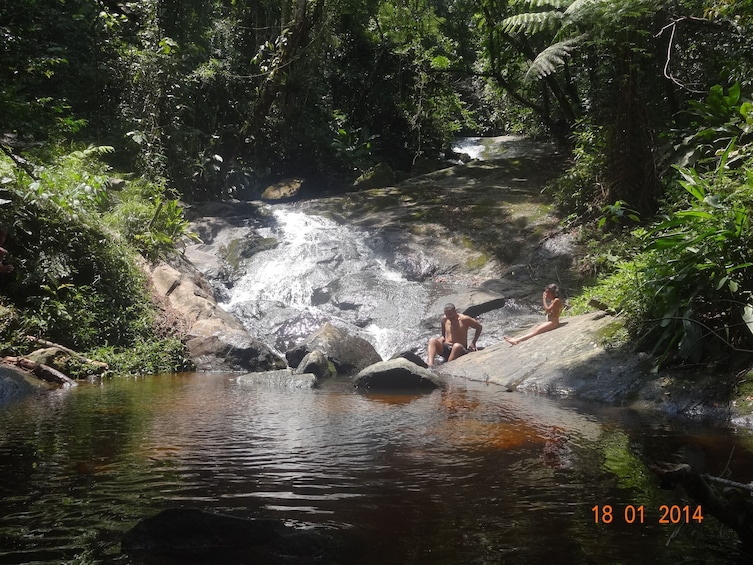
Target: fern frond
x,y
557,4
532,22
574,10
552,57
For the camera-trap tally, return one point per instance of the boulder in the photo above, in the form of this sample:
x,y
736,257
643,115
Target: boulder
x,y
282,378
54,357
396,374
195,536
286,189
231,351
378,177
16,383
349,353
413,357
316,363
216,339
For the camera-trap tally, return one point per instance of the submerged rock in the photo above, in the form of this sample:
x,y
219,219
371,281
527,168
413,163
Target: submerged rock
x,y
396,374
283,378
190,535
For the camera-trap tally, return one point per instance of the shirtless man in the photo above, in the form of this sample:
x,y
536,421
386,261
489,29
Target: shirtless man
x,y
454,339
552,306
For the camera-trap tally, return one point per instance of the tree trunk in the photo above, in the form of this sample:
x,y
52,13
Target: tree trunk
x,y
44,372
730,507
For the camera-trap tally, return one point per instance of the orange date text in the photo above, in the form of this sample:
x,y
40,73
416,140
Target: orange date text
x,y
638,514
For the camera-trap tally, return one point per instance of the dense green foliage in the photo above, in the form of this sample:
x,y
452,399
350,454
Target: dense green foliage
x,y
686,285
75,282
207,99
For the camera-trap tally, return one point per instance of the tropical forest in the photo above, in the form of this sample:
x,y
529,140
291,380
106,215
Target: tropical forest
x,y
114,114
123,124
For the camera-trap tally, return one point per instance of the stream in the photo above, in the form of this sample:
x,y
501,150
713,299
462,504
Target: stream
x,y
470,474
324,271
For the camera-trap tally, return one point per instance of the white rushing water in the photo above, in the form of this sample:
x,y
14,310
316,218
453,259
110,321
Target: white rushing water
x,y
324,271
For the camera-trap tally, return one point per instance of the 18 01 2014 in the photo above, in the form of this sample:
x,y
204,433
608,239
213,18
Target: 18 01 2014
x,y
637,514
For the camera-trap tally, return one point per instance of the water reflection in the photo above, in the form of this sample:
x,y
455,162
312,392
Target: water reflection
x,y
471,474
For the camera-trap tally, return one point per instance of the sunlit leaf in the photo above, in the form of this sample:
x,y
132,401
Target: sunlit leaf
x,y
748,316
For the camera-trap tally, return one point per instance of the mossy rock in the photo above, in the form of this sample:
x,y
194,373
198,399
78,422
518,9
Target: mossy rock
x,y
240,249
378,177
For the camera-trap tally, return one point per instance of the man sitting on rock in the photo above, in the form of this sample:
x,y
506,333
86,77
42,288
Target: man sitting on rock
x,y
454,339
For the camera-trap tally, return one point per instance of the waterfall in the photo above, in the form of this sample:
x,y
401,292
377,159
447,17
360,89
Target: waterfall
x,y
324,271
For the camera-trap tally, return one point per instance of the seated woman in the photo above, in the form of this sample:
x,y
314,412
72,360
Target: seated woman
x,y
553,306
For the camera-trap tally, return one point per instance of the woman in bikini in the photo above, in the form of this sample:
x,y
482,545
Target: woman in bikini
x,y
553,306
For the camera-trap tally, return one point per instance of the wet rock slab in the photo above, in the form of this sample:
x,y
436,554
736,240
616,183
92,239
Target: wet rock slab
x,y
570,361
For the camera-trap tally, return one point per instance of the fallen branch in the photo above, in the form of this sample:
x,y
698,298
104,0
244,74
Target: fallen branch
x,y
41,371
69,351
729,506
19,161
728,483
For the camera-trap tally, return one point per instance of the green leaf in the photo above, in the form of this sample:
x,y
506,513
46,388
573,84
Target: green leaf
x,y
694,214
440,63
741,222
531,23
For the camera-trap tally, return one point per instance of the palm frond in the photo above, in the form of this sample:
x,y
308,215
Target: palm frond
x,y
532,22
552,57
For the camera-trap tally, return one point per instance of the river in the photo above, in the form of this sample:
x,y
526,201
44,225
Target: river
x,y
467,475
471,474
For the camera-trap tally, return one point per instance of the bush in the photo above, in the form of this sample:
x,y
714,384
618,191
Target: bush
x,y
76,282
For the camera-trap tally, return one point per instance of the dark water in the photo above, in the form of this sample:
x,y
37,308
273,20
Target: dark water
x,y
468,475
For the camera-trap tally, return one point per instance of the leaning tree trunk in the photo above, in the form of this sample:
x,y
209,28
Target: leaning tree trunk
x,y
631,174
303,22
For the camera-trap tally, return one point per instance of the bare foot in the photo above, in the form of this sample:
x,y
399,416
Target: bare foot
x,y
6,269
511,341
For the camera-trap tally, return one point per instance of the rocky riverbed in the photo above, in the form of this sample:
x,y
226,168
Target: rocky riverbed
x,y
484,236
481,235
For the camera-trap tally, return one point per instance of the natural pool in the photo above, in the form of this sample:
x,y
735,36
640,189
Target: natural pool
x,y
471,474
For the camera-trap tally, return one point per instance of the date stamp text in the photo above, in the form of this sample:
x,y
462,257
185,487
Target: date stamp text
x,y
672,514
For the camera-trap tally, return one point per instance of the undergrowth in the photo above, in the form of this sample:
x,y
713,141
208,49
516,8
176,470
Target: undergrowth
x,y
74,231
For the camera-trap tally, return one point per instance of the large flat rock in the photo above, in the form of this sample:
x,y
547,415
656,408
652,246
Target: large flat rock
x,y
570,361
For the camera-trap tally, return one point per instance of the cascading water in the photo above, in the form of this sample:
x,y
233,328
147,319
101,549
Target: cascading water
x,y
323,271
